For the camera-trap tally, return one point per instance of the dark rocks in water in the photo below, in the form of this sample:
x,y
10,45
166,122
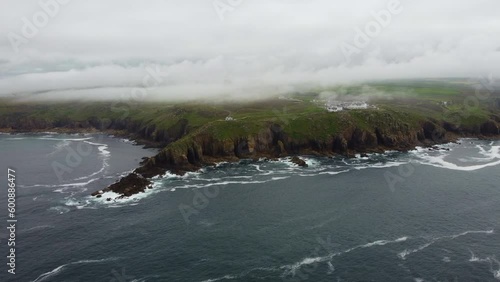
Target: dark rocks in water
x,y
108,199
298,161
129,185
364,155
98,196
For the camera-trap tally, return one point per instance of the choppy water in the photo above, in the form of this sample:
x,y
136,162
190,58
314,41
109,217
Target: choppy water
x,y
417,216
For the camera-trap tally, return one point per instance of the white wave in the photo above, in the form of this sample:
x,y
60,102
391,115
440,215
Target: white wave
x,y
225,277
292,268
117,201
311,162
74,203
402,255
473,258
257,167
59,269
59,146
334,172
77,184
64,139
220,164
59,209
237,177
491,260
267,173
62,187
380,165
173,176
37,228
471,232
103,152
125,140
440,162
224,183
331,268
103,168
489,157
103,148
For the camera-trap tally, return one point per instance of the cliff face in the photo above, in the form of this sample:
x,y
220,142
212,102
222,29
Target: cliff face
x,y
187,148
204,149
134,129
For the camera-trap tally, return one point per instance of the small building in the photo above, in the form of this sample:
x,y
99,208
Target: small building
x,y
229,118
333,106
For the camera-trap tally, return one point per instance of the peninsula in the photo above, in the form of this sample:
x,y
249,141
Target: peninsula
x,y
343,120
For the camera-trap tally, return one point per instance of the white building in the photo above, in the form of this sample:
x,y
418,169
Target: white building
x,y
340,106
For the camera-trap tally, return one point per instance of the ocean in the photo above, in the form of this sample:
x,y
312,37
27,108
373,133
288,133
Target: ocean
x,y
423,215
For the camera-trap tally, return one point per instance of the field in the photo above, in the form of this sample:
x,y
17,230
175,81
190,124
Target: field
x,y
301,115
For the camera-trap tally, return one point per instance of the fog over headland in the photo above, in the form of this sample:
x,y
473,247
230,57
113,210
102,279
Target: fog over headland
x,y
238,48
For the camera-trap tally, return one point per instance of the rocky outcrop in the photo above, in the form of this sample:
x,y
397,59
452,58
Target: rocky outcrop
x,y
298,161
197,150
127,186
489,128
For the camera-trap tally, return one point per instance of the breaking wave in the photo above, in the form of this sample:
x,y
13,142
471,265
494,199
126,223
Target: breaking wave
x,y
59,269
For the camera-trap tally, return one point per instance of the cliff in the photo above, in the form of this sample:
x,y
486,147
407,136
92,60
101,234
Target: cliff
x,y
193,135
196,150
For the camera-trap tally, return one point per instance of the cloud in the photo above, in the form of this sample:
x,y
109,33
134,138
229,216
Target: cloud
x,y
102,49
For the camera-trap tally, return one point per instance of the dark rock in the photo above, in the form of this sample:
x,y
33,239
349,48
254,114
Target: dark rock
x,y
129,185
489,128
298,161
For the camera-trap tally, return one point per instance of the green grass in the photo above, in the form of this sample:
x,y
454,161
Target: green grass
x,y
399,103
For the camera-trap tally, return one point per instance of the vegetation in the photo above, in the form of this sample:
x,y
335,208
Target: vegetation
x,y
301,115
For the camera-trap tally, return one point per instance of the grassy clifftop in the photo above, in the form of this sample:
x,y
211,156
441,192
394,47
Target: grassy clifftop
x,y
400,115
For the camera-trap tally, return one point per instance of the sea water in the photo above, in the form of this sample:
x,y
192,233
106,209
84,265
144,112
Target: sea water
x,y
425,215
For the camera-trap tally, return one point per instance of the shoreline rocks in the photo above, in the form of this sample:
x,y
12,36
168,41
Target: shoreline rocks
x,y
298,161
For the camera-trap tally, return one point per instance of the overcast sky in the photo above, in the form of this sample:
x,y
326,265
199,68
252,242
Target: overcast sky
x,y
244,48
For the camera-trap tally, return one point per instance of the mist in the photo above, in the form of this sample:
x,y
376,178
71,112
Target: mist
x,y
183,50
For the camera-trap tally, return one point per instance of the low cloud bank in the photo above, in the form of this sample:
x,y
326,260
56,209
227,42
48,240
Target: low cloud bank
x,y
174,50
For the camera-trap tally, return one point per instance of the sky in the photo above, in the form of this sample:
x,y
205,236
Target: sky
x,y
244,49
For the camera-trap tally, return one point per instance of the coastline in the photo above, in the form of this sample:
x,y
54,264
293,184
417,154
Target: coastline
x,y
194,158
61,130
139,180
